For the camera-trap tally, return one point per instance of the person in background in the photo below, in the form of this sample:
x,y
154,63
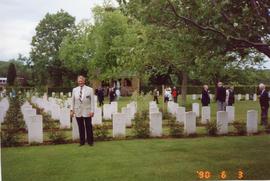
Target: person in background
x,y
117,93
230,96
156,94
264,103
174,94
111,94
100,95
167,95
205,96
221,97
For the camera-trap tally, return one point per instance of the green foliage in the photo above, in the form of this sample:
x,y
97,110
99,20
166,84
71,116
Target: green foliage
x,y
101,132
240,127
11,74
141,126
267,129
50,33
176,129
57,136
166,115
211,128
9,138
13,123
108,49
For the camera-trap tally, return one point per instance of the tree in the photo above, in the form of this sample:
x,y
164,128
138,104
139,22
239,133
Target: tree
x,y
242,25
11,74
107,49
50,33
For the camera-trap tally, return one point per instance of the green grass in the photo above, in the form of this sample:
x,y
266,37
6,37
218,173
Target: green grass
x,y
151,159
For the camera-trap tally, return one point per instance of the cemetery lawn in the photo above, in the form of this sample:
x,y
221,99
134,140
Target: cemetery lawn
x,y
148,159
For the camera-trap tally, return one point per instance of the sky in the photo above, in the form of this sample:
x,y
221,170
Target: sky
x,y
18,19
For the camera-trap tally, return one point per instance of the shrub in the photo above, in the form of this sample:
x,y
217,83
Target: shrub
x,y
141,126
101,132
13,123
211,128
267,128
9,138
57,137
166,115
240,127
176,129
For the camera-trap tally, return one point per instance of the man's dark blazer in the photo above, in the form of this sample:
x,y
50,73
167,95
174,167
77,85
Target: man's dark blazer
x,y
221,94
205,97
264,99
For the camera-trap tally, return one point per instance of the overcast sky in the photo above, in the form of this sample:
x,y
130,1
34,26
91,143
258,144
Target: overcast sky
x,y
18,19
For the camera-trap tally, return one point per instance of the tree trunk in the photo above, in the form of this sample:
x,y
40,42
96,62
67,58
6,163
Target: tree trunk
x,y
184,88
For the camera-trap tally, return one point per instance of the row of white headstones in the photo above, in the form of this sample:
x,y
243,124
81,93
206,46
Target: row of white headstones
x,y
4,105
237,97
223,117
61,111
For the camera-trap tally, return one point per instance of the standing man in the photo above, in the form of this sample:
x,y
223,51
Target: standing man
x,y
230,96
221,97
205,96
264,103
156,94
174,94
83,108
100,95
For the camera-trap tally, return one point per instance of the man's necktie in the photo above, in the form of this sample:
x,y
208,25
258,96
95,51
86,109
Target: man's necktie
x,y
81,94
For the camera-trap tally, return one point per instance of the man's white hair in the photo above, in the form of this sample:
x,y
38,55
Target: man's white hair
x,y
261,85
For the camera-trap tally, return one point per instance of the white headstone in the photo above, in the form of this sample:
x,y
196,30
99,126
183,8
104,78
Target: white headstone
x,y
231,113
75,129
2,114
35,129
45,96
181,114
196,109
55,111
239,96
152,103
222,122
114,107
153,110
155,124
65,118
107,111
69,94
170,107
247,97
119,125
190,123
127,110
27,115
252,121
254,97
133,107
194,96
206,114
97,119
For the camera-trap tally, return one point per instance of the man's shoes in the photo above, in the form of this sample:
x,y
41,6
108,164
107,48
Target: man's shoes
x,y
81,145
